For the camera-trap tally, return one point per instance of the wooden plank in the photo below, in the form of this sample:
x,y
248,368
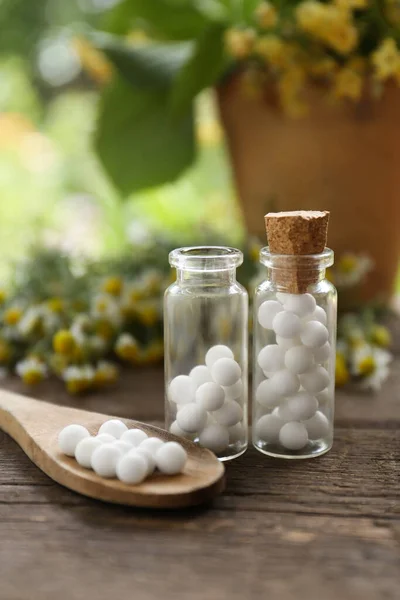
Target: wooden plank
x,y
139,395
360,476
76,552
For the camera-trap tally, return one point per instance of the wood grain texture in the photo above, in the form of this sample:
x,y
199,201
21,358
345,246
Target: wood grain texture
x,y
320,529
35,426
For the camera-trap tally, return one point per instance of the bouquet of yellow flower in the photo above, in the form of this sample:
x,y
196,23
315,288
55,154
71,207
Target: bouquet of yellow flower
x,y
164,52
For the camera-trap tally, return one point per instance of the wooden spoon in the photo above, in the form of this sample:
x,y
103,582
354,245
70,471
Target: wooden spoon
x,y
35,425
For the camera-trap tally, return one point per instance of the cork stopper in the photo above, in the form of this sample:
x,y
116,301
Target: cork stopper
x,y
296,234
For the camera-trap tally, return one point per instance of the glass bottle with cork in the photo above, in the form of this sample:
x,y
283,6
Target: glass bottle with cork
x,y
295,313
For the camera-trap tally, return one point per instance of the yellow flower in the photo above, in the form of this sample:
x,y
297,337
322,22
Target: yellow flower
x,y
386,59
31,370
329,24
347,263
127,347
351,4
106,373
266,15
78,379
342,374
56,305
3,296
64,342
5,352
366,366
239,42
58,363
154,351
112,286
272,49
321,67
104,329
348,84
147,312
12,315
380,335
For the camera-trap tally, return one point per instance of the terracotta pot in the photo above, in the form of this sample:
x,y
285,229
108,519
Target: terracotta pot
x,y
344,159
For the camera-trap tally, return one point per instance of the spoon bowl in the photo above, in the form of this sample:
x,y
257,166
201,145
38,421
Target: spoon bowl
x,y
35,426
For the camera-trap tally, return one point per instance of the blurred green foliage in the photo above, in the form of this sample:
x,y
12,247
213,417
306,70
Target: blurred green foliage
x,y
53,191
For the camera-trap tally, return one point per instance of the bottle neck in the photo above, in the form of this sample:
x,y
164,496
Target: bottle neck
x,y
188,277
295,273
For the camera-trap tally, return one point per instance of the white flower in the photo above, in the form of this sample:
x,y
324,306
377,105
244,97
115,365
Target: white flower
x,y
372,365
36,315
31,370
84,373
107,308
351,269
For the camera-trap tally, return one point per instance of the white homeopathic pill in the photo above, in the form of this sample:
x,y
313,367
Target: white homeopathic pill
x,y
105,437
151,444
287,343
226,371
229,414
286,324
176,430
70,436
293,435
104,460
215,437
285,383
314,334
132,468
302,406
267,312
315,380
134,436
319,314
114,427
268,428
237,433
181,389
323,353
123,446
171,458
301,304
191,418
323,397
217,352
233,392
299,359
210,396
266,394
318,426
85,449
271,358
151,461
200,374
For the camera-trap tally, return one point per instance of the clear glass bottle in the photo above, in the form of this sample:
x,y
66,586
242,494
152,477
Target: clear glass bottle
x,y
294,348
206,345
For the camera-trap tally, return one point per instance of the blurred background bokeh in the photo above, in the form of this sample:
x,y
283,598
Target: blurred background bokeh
x,y
91,201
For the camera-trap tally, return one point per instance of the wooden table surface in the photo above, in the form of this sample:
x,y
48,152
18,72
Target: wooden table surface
x,y
325,528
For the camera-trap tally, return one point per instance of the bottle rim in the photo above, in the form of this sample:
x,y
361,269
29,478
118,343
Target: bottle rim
x,y
205,258
319,261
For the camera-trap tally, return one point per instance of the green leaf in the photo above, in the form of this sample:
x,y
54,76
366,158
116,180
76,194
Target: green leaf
x,y
165,19
203,68
138,141
149,66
